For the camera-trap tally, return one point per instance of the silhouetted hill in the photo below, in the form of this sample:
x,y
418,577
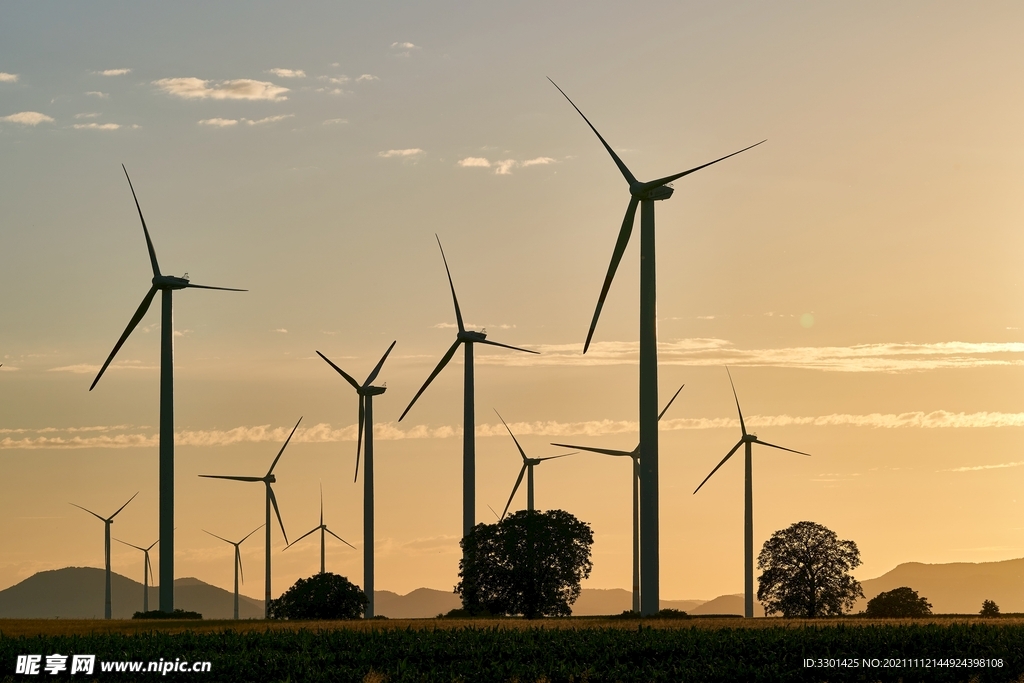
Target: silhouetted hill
x,y
726,604
611,601
956,588
421,603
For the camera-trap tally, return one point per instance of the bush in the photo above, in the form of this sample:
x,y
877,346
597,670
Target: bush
x,y
989,609
321,596
176,614
902,602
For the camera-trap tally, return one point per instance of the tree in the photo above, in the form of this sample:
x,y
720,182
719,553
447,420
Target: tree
x,y
902,602
530,563
321,596
989,609
806,572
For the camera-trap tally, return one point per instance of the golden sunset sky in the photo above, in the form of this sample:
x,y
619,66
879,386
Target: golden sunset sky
x,y
860,273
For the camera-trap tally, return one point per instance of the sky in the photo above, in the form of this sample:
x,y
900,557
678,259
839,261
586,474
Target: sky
x,y
859,273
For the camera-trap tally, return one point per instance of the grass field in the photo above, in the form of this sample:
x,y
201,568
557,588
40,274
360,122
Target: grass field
x,y
550,650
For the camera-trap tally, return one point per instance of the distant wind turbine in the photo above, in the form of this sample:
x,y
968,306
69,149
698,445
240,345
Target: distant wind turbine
x,y
635,455
147,571
238,560
467,337
643,194
107,521
746,440
528,465
323,540
366,392
267,479
164,284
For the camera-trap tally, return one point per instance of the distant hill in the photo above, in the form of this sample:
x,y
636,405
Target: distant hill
x,y
421,603
601,601
726,604
956,588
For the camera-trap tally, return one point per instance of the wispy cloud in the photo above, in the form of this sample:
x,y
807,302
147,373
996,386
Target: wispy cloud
x,y
281,330
332,122
336,80
97,93
227,123
985,467
27,118
238,89
538,161
96,126
113,72
287,73
88,368
503,166
8,78
401,153
87,115
474,162
366,77
474,326
404,46
219,123
269,119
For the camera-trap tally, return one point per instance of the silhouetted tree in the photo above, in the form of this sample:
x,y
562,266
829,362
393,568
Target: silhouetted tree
x,y
321,596
989,609
902,602
530,563
806,572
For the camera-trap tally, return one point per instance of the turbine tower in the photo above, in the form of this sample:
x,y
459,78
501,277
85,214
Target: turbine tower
x,y
528,465
323,540
147,571
746,440
366,393
165,284
267,479
467,337
643,194
238,561
107,521
635,455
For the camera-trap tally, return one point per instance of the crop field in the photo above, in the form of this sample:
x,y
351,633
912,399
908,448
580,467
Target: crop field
x,y
553,651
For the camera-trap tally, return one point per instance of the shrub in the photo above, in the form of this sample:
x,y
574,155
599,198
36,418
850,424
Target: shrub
x,y
321,596
176,614
902,602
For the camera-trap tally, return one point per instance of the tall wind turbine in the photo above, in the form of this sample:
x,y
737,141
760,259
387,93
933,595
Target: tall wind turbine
x,y
528,465
323,540
147,571
746,440
267,479
635,455
467,337
165,284
238,561
643,194
107,521
366,393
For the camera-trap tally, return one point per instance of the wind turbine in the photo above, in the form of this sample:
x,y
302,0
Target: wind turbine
x,y
238,561
643,194
147,571
366,393
467,337
267,479
528,465
107,521
635,455
323,541
746,440
164,284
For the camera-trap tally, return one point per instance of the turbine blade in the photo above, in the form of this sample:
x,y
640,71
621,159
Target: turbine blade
x,y
359,439
521,451
145,230
238,559
321,503
615,157
376,371
124,506
669,405
140,313
102,519
440,366
781,448
589,449
249,534
668,179
130,545
620,247
555,457
273,501
341,372
224,476
223,289
149,568
458,313
727,456
505,346
281,452
340,538
493,512
151,545
514,489
743,427
301,537
220,537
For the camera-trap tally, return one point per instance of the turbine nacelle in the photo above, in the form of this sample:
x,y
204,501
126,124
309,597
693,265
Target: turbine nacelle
x,y
471,336
170,282
270,479
656,194
372,391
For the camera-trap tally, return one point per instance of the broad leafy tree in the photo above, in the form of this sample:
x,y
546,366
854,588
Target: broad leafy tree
x,y
321,596
806,572
530,563
989,609
902,602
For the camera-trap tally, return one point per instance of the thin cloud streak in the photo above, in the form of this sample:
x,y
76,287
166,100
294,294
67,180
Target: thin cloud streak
x,y
238,89
27,118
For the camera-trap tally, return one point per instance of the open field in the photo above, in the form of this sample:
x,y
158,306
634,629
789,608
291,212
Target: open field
x,y
556,650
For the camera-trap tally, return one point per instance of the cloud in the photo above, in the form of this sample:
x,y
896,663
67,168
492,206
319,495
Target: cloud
x,y
331,122
27,118
366,77
218,123
8,78
238,89
281,330
97,93
96,126
113,72
336,80
88,368
504,166
404,46
226,123
269,119
539,161
87,115
288,73
985,467
405,153
885,357
474,161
